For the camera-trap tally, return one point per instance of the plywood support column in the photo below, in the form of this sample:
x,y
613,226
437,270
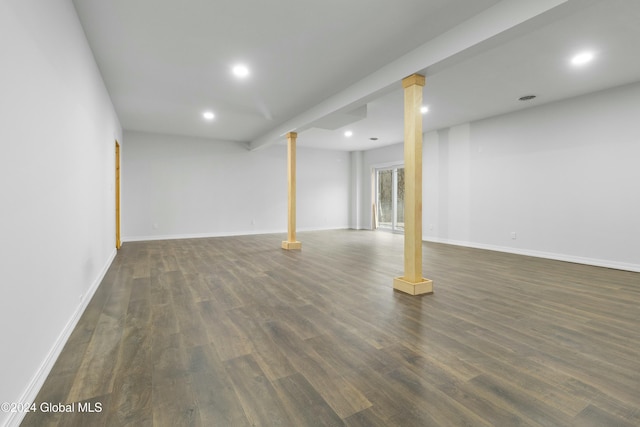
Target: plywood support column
x,y
412,282
291,242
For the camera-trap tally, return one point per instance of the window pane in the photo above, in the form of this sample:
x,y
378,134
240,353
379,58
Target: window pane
x,y
385,198
400,200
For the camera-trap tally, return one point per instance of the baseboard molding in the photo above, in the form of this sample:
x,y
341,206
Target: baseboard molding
x,y
195,235
222,234
616,265
346,227
31,392
538,254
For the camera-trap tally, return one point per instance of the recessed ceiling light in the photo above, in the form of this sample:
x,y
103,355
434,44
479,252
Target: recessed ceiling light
x,y
348,133
424,109
582,58
240,71
526,98
208,115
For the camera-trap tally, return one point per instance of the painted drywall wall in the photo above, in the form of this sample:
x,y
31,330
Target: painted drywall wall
x,y
58,192
189,187
356,188
563,177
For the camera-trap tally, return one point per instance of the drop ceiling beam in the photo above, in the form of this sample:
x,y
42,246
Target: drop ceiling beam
x,y
502,17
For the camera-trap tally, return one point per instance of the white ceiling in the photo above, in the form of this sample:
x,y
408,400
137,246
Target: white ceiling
x,y
321,67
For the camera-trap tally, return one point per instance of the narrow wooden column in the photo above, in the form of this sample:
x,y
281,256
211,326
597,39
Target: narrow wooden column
x,y
291,242
412,282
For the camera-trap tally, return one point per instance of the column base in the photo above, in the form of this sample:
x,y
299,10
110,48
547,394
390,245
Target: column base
x,y
291,245
418,288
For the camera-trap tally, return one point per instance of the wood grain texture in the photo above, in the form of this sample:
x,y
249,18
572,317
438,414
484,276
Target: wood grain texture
x,y
291,243
412,281
232,331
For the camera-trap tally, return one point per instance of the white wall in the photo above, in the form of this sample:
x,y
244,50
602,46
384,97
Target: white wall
x,y
564,177
189,187
356,187
57,227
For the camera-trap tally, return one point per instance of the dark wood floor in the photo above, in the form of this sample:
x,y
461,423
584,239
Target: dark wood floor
x,y
237,332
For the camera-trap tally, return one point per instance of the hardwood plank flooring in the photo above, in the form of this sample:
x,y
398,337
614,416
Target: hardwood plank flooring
x,y
235,331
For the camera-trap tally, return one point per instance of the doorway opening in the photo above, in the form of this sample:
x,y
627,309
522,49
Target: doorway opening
x,y
390,198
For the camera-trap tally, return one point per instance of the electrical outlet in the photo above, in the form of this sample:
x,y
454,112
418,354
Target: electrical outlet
x,y
514,236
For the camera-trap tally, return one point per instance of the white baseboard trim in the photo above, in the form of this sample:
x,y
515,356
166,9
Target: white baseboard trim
x,y
31,392
195,235
538,254
616,265
222,234
345,227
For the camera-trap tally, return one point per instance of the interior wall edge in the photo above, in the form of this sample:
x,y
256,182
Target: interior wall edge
x,y
34,386
616,265
223,234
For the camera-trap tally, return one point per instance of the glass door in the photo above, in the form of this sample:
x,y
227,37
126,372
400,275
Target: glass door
x,y
399,200
390,198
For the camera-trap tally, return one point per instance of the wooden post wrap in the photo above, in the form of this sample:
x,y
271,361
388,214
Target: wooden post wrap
x,y
291,242
412,282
